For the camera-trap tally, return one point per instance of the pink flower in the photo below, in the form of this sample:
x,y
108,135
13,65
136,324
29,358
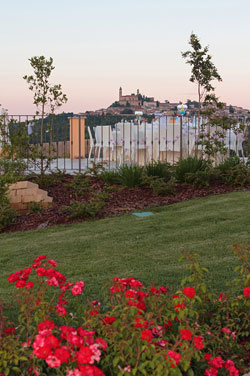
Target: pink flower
x,y
53,263
77,288
127,369
102,343
53,282
53,361
74,372
211,372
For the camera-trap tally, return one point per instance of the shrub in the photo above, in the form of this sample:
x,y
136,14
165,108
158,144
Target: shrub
x,y
234,172
159,186
131,175
80,185
36,207
51,179
110,177
159,169
189,165
87,210
7,214
152,331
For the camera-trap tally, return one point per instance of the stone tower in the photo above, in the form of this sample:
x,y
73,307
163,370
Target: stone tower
x,y
120,93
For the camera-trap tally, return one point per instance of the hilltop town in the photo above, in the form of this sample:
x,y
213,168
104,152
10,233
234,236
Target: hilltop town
x,y
127,104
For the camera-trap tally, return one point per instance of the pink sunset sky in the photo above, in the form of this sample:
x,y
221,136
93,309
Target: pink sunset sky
x,y
99,46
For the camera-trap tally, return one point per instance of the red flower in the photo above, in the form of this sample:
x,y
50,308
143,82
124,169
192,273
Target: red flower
x,y
53,263
62,354
179,307
39,258
211,372
207,356
102,343
216,362
146,335
29,285
198,342
109,320
84,355
247,292
61,311
20,284
186,334
174,356
189,292
42,352
90,371
10,331
47,324
140,323
41,271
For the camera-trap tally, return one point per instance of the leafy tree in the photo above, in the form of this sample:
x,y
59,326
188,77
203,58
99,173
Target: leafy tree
x,y
203,70
47,97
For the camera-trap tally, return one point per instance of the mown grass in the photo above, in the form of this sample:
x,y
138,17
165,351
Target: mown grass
x,y
147,249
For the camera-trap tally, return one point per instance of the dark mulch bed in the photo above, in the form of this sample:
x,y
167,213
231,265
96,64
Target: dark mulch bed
x,y
121,200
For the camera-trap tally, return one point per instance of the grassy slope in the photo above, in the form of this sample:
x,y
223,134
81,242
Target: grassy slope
x,y
147,248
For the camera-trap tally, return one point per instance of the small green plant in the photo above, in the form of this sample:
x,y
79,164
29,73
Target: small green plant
x,y
131,175
86,210
81,185
159,169
36,207
159,186
189,165
201,178
7,214
110,177
51,179
96,170
234,172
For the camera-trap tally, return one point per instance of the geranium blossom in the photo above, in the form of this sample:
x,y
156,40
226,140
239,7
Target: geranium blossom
x,y
189,292
186,334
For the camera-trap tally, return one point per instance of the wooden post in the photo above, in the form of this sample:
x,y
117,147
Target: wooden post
x,y
77,139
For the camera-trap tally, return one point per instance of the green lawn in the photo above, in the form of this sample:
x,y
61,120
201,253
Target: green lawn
x,y
145,248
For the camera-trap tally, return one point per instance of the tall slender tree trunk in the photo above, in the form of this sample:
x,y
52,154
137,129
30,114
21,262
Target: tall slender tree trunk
x,y
41,140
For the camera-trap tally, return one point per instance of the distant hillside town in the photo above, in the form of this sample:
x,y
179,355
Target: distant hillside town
x,y
126,105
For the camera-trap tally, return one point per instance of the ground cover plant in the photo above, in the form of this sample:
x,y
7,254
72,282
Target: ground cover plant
x,y
129,188
140,331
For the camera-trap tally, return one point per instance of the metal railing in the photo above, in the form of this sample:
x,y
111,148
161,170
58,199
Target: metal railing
x,y
74,148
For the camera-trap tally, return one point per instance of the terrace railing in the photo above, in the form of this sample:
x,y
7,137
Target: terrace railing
x,y
73,145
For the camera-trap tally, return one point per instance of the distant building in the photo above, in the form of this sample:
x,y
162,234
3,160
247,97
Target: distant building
x,y
132,100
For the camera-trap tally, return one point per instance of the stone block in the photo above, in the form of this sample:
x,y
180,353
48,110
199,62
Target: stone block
x,y
15,199
28,192
12,193
23,185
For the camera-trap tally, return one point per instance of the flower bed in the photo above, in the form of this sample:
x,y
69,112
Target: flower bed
x,y
135,331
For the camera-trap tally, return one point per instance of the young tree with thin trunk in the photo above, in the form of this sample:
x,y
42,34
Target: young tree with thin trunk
x,y
203,70
47,97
